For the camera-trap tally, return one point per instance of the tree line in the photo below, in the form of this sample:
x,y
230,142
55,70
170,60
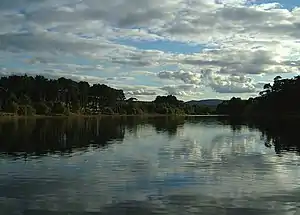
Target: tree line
x,y
279,98
28,95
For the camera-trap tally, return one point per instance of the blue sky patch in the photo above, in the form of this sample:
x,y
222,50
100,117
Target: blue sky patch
x,y
164,45
288,4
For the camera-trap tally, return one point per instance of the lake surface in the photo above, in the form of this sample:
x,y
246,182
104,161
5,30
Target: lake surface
x,y
165,165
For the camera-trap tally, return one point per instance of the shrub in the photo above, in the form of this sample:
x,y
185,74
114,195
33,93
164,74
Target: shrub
x,y
26,110
11,107
179,111
24,100
139,111
122,112
59,108
162,110
42,109
75,107
108,111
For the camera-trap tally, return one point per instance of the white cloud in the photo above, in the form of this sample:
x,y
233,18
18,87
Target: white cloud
x,y
240,40
232,84
141,92
183,90
186,77
194,82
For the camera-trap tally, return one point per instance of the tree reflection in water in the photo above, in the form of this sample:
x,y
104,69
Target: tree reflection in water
x,y
40,136
280,134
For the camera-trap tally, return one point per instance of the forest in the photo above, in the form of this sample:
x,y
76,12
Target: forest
x,y
279,99
28,95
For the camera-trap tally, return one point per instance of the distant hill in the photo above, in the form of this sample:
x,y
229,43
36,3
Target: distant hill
x,y
207,102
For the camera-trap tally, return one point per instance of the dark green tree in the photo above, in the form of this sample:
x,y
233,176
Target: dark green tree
x,y
42,109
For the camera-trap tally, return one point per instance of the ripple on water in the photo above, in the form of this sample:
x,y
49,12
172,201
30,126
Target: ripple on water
x,y
144,167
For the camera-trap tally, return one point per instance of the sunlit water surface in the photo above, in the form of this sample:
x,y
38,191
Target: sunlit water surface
x,y
143,166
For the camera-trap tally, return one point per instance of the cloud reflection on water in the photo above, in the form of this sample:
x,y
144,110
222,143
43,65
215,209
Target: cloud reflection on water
x,y
203,168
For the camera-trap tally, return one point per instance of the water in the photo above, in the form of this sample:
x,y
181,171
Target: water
x,y
192,165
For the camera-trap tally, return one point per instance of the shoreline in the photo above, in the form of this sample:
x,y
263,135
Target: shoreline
x,y
4,115
10,115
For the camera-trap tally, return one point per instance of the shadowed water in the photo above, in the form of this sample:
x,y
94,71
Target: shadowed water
x,y
164,165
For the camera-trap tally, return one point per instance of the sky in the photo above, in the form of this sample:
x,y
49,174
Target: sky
x,y
193,49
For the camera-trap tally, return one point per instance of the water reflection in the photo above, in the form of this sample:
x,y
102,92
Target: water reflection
x,y
42,136
139,165
282,135
37,137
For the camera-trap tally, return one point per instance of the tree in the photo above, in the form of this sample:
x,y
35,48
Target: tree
x,y
170,99
277,99
42,109
235,107
75,107
74,95
108,111
3,96
59,108
25,100
10,106
131,99
62,95
26,110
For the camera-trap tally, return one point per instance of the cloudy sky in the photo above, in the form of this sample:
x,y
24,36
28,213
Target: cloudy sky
x,y
194,49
